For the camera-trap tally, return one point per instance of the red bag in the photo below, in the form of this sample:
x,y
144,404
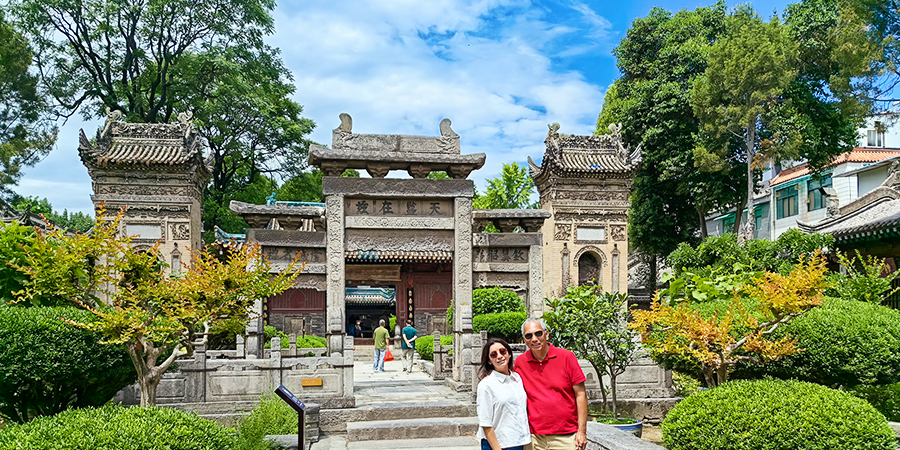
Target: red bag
x,y
388,355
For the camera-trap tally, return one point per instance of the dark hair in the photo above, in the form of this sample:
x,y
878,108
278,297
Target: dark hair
x,y
486,367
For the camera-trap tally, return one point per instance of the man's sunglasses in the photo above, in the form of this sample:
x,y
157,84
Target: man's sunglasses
x,y
537,333
502,352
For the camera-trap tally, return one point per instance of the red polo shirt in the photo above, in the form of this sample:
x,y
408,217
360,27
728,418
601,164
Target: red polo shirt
x,y
548,383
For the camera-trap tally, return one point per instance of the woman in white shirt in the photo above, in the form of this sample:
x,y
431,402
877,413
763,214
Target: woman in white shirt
x,y
502,413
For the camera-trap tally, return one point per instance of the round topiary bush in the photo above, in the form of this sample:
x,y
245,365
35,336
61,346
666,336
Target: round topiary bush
x,y
113,427
48,366
775,414
506,325
844,343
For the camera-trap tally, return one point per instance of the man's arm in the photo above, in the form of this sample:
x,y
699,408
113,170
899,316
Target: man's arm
x,y
581,405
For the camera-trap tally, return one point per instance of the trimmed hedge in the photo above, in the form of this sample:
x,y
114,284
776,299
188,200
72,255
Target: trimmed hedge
x,y
507,326
113,427
775,414
305,341
425,345
845,343
492,300
48,366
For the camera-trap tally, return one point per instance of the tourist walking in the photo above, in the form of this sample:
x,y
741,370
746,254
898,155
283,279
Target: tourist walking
x,y
409,335
501,401
382,340
554,382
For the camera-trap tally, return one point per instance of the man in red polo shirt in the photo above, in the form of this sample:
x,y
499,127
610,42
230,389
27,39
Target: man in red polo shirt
x,y
554,383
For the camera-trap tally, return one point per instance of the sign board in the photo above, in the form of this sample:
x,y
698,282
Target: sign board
x,y
305,382
290,398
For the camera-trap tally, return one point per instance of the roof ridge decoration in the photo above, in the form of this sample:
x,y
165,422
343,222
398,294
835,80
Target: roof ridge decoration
x,y
592,155
380,153
124,144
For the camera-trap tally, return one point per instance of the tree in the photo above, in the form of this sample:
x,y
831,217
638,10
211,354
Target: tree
x,y
25,134
659,58
512,190
749,68
719,339
157,318
593,324
866,41
77,221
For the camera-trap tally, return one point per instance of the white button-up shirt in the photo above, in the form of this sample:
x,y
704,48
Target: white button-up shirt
x,y
502,405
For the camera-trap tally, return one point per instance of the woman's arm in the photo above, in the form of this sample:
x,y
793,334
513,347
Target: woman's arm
x,y
491,438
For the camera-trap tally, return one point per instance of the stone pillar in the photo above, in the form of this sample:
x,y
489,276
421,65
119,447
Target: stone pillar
x,y
462,286
615,269
437,358
477,346
275,356
566,279
334,273
534,306
256,338
347,388
239,345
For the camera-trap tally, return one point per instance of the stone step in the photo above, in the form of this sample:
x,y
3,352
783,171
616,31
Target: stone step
x,y
425,428
444,443
210,408
337,420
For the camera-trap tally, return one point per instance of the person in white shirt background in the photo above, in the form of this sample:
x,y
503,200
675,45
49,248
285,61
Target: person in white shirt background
x,y
501,401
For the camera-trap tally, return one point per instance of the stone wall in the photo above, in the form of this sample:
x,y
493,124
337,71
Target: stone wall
x,y
231,376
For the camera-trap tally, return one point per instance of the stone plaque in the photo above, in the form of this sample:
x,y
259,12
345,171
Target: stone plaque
x,y
144,230
591,234
287,254
397,207
372,272
504,255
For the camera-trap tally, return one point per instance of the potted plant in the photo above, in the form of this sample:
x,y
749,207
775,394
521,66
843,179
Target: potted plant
x,y
593,324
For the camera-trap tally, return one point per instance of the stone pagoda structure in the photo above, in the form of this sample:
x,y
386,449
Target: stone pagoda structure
x,y
585,182
157,173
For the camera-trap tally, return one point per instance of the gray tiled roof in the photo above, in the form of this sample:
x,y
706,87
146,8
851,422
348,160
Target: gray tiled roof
x,y
130,144
871,220
145,151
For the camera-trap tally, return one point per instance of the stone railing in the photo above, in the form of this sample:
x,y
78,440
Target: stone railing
x,y
217,376
443,359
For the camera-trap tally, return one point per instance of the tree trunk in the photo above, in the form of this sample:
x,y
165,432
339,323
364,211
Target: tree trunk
x,y
749,143
612,390
704,232
708,376
148,390
602,388
736,229
722,374
652,276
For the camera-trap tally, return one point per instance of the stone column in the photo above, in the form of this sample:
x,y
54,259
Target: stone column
x,y
255,334
334,273
462,290
535,302
615,269
566,280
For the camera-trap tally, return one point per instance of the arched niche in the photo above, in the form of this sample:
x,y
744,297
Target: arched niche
x,y
590,262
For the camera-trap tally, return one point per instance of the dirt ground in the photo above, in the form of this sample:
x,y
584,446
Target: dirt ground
x,y
652,433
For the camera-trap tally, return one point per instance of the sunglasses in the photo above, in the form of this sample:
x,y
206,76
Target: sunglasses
x,y
538,333
502,351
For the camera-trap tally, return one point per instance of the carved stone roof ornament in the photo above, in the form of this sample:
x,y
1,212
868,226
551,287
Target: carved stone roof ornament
x,y
121,144
378,154
594,156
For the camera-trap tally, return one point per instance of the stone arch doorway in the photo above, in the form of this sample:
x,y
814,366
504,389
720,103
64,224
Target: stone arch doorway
x,y
590,262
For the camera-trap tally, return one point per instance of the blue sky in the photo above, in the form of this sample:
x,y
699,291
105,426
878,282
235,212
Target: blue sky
x,y
501,70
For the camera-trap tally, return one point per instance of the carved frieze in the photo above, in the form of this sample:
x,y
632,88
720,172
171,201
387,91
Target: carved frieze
x,y
287,254
506,280
397,240
590,216
563,231
594,195
180,231
618,232
145,190
429,223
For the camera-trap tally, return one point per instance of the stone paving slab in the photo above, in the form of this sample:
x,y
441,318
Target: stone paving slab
x,y
396,386
454,443
411,428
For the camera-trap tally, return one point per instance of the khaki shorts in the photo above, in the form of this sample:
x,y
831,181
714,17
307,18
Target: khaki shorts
x,y
553,441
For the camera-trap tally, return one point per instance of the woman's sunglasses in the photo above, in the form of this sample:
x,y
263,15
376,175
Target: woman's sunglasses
x,y
537,333
502,352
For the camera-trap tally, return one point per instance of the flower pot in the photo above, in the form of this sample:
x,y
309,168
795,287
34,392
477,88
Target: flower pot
x,y
635,427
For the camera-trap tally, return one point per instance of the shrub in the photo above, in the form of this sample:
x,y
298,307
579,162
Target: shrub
x,y
770,414
305,341
492,300
271,416
885,399
48,366
506,325
425,345
864,281
113,427
845,343
14,238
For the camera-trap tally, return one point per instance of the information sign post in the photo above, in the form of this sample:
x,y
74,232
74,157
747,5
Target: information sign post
x,y
298,406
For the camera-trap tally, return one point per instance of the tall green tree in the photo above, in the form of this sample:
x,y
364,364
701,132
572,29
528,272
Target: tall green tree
x,y
748,71
659,58
513,189
76,221
866,41
25,134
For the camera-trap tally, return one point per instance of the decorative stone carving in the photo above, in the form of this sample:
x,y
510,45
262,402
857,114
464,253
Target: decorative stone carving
x,y
590,216
396,240
180,231
399,222
563,231
618,232
834,202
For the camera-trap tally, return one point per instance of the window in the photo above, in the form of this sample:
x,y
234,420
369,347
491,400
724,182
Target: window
x,y
875,136
759,213
817,198
786,202
728,223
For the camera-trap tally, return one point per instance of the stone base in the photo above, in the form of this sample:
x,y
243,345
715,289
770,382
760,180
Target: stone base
x,y
649,410
457,386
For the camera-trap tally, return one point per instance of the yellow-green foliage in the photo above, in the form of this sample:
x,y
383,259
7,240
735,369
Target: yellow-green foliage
x,y
271,416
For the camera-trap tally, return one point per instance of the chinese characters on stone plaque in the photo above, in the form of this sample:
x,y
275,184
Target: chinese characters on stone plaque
x,y
397,207
287,254
501,255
